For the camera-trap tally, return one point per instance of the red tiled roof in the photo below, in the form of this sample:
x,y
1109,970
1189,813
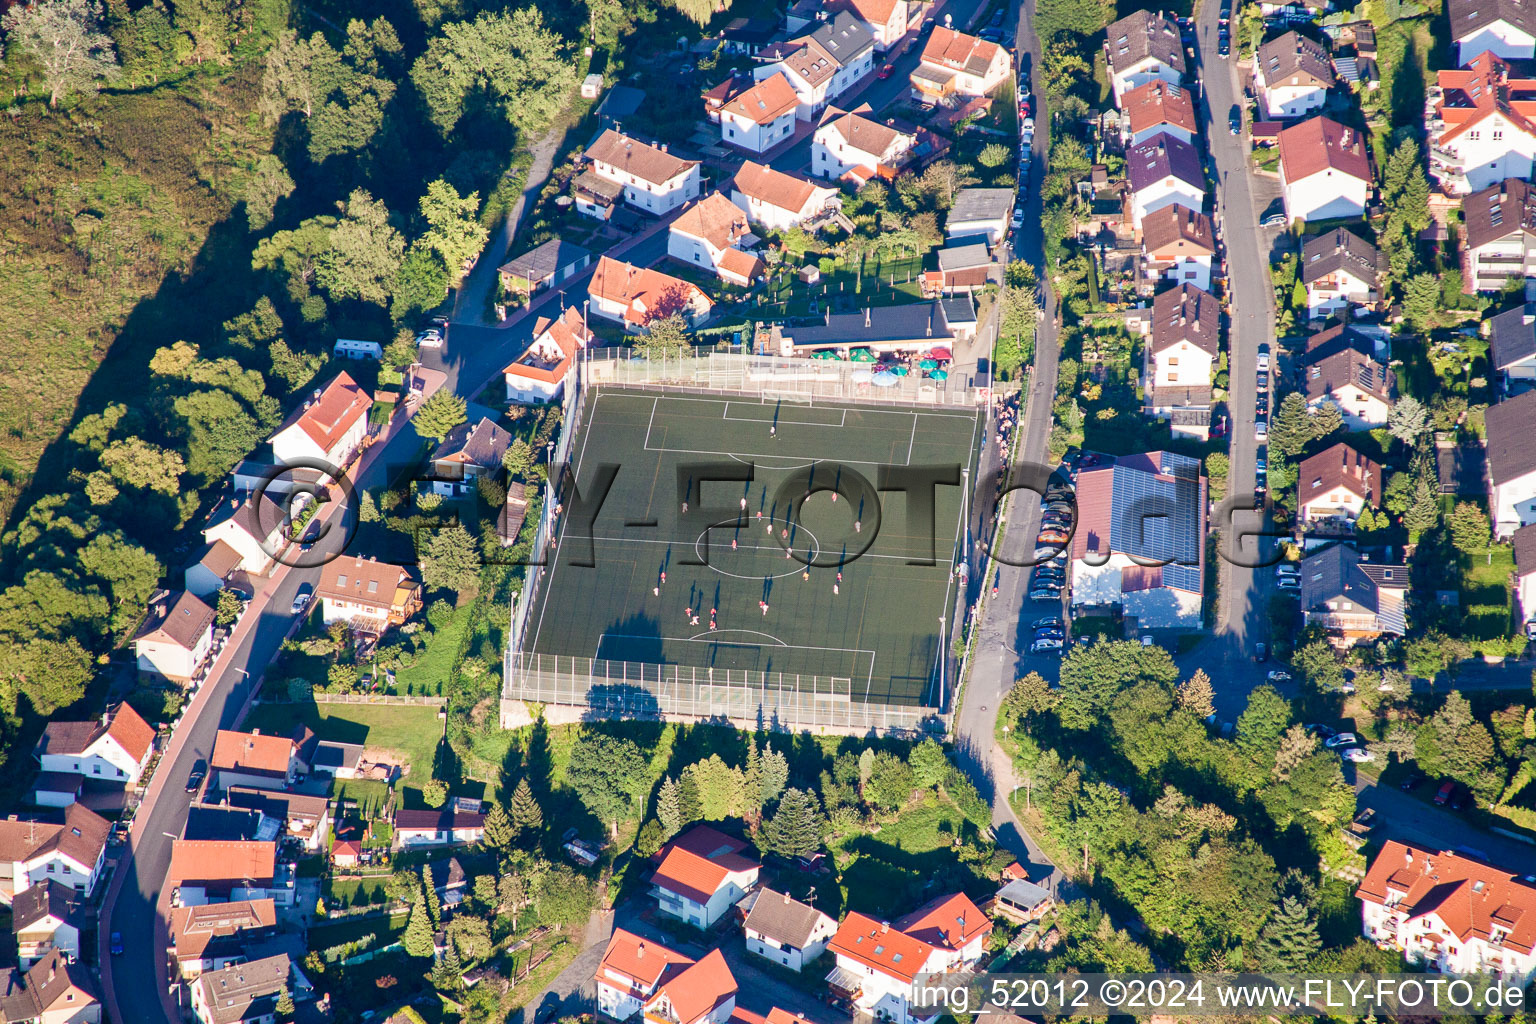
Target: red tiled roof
x,y
958,51
644,293
122,723
715,219
776,188
569,333
696,863
641,159
1472,898
697,988
335,412
250,750
643,961
765,102
1320,144
1156,102
201,861
878,945
948,922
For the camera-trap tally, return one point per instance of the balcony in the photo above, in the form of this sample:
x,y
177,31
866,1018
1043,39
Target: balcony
x,y
845,984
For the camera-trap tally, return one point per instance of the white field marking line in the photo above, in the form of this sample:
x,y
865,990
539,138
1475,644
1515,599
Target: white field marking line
x,y
651,423
707,636
560,530
946,412
726,415
960,524
912,441
759,547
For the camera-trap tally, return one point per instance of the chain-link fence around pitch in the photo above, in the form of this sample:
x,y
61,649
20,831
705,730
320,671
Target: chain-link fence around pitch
x,y
794,378
646,691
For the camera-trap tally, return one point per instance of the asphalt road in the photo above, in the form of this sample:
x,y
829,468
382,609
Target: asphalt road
x,y
1406,818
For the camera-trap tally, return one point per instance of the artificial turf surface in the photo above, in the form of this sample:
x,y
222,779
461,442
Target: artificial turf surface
x,y
880,630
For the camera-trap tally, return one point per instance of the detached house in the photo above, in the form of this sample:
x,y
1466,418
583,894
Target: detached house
x,y
1163,171
446,827
701,875
780,201
1505,28
980,211
44,918
877,962
175,638
1337,483
543,267
652,179
1324,170
708,235
1351,599
1450,913
1291,75
1157,108
848,143
1143,46
634,296
470,451
1498,236
1140,539
887,19
218,566
252,527
630,971
369,595
1512,344
329,427
252,759
1186,329
786,931
1524,542
116,746
1178,244
1482,129
538,375
55,990
1511,445
246,993
825,64
68,848
955,65
1339,370
759,118
1340,269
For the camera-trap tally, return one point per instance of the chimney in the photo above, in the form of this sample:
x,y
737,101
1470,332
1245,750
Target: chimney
x,y
884,927
866,316
787,899
663,147
640,949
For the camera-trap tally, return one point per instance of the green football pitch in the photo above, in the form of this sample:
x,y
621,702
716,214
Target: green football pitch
x,y
879,627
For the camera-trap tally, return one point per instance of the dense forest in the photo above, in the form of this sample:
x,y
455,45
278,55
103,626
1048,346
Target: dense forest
x,y
196,199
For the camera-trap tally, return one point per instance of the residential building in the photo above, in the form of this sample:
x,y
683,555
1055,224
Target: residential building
x,y
1140,540
1337,483
1511,446
209,937
699,993
328,427
1157,108
446,827
55,990
780,201
1340,269
175,638
538,375
338,760
965,267
252,759
980,211
847,143
252,526
630,971
596,196
1143,46
1524,543
1291,77
299,816
543,267
653,180
701,875
1481,127
1498,236
44,918
220,870
747,36
243,993
956,66
346,853
709,234
634,296
1352,379
218,566
1506,28
887,19
822,66
877,962
1352,599
1324,170
953,926
1512,344
68,848
1451,913
762,117
116,746
1163,171
1178,245
369,595
1021,901
1186,338
470,451
786,931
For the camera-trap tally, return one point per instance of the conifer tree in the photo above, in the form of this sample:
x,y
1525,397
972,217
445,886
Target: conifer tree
x,y
429,891
1290,939
668,810
795,829
417,939
527,816
499,830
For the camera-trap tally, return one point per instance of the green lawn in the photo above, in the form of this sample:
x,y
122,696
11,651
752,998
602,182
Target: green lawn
x,y
352,891
431,670
1485,597
892,871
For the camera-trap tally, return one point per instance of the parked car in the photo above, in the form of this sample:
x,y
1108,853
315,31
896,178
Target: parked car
x,y
1045,594
1049,622
1224,47
1147,641
1235,120
1288,582
1052,536
886,71
1260,430
1462,799
199,773
1274,220
117,944
1279,675
1443,794
1343,739
430,338
1262,382
1264,358
1288,569
1018,217
1050,634
1045,647
301,599
1412,782
1324,731
1260,652
1358,755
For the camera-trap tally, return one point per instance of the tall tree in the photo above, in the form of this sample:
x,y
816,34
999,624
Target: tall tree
x,y
775,773
890,782
1469,528
1291,427
451,561
51,674
668,812
364,254
526,815
512,892
720,788
664,336
499,830
606,774
795,830
1196,694
454,230
417,938
134,462
1327,420
929,765
1296,745
1289,941
509,56
439,414
64,39
1408,419
429,892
